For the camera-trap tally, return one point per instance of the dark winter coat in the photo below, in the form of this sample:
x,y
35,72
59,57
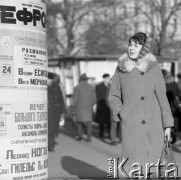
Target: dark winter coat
x,y
145,111
173,94
103,110
84,98
56,106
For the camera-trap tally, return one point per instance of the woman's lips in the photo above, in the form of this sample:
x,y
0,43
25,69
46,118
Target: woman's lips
x,y
131,53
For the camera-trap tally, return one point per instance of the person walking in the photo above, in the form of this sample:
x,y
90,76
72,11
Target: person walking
x,y
62,104
103,110
84,98
173,95
115,131
179,109
138,99
179,80
54,109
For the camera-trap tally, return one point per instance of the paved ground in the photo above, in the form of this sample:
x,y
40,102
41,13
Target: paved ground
x,y
82,160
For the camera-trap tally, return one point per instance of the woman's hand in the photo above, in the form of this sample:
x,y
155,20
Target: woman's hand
x,y
168,133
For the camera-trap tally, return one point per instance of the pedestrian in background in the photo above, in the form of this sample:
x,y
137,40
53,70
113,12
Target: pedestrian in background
x,y
115,131
173,95
179,80
103,110
179,110
138,98
62,104
54,109
84,98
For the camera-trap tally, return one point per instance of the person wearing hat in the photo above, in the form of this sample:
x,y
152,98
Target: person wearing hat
x,y
103,110
137,98
84,98
56,107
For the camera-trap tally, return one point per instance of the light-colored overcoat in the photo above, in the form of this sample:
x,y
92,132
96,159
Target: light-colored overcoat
x,y
138,94
84,98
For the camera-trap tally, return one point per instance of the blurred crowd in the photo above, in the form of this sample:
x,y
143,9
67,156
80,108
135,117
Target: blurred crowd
x,y
90,106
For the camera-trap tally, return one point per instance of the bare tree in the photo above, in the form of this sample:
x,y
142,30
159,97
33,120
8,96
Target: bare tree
x,y
76,26
161,15
71,17
109,31
76,22
51,30
101,38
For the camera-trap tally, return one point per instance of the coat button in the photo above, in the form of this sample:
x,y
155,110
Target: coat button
x,y
142,73
143,122
142,98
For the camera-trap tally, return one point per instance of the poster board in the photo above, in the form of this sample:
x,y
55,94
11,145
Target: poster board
x,y
23,89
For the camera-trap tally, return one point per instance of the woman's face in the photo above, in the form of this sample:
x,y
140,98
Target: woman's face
x,y
134,49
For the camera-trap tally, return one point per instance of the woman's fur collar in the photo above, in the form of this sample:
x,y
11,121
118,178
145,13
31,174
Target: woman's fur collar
x,y
144,64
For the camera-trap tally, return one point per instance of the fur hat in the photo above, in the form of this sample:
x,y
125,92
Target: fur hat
x,y
83,77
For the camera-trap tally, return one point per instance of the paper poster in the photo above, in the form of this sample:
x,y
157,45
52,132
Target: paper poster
x,y
23,59
23,55
23,14
23,133
23,89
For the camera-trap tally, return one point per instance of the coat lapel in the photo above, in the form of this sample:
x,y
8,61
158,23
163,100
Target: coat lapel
x,y
143,65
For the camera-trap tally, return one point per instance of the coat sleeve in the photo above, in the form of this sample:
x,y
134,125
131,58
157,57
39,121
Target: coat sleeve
x,y
98,93
160,91
94,98
114,97
75,96
61,100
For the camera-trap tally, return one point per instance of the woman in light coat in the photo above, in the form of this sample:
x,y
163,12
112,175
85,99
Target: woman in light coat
x,y
138,98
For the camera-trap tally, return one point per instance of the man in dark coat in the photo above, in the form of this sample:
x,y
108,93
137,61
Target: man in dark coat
x,y
103,110
179,109
54,109
173,94
62,106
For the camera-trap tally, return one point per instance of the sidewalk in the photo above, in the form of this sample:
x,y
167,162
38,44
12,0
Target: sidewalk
x,y
82,160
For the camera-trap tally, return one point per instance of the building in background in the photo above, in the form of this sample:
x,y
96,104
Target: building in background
x,y
69,69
